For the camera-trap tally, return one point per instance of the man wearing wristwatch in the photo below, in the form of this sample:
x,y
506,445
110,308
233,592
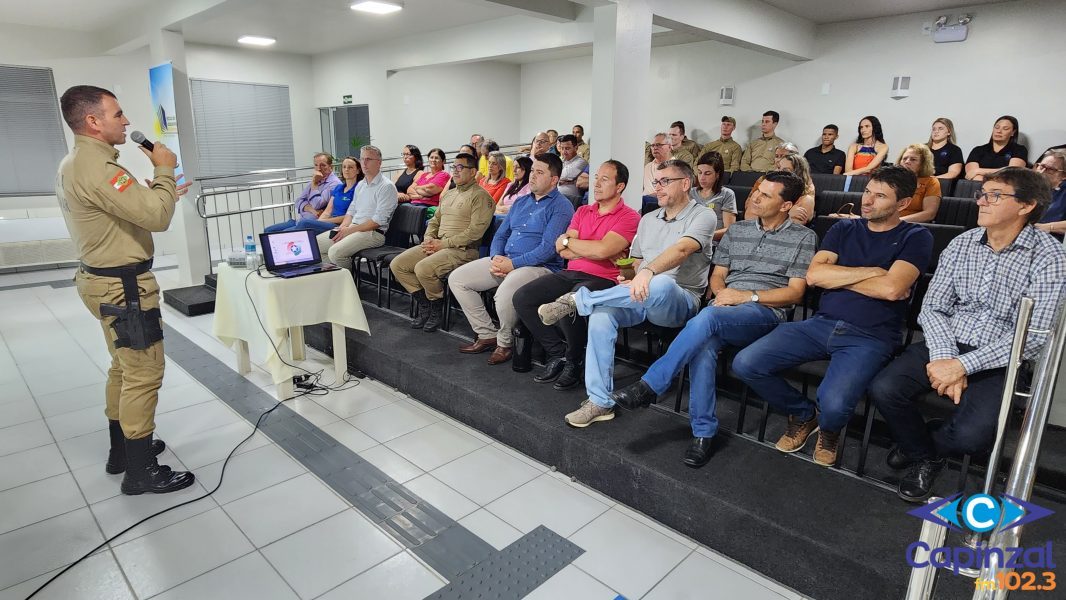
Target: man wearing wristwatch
x,y
673,247
759,274
598,234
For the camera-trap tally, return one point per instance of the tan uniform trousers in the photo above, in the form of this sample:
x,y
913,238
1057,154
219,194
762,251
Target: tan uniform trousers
x,y
341,253
135,376
416,271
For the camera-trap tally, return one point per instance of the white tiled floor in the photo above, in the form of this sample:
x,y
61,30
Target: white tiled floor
x,y
273,530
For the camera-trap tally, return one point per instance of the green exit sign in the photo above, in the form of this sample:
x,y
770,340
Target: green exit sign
x,y
347,99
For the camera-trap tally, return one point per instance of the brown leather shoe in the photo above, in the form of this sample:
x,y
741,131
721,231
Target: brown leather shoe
x,y
479,346
500,355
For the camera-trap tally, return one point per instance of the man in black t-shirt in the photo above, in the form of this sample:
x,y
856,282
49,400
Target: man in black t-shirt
x,y
827,159
867,268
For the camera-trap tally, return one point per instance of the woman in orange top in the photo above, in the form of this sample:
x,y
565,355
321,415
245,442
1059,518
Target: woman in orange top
x,y
869,149
926,200
496,183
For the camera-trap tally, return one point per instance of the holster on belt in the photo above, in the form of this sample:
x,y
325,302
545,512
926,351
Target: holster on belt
x,y
134,328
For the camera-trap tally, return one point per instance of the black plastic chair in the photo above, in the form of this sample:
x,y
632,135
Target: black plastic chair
x,y
828,182
957,211
405,230
942,236
745,178
829,202
966,188
858,183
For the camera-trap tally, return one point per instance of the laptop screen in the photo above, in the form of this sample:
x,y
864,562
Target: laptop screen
x,y
287,249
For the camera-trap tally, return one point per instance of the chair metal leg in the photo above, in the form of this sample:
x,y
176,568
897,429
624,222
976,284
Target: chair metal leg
x,y
681,389
765,418
743,408
865,448
964,474
625,343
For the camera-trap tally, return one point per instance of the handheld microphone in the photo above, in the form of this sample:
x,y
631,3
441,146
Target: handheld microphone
x,y
139,138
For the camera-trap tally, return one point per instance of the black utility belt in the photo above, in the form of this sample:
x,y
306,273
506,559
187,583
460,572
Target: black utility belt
x,y
134,328
135,269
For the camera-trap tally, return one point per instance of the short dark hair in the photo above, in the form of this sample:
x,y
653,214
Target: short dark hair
x,y
713,160
1030,187
773,115
901,179
80,101
555,164
621,172
491,145
581,128
679,124
793,185
553,131
680,165
562,139
471,161
833,127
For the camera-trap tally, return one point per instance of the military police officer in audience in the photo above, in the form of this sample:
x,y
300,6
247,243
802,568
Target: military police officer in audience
x,y
111,218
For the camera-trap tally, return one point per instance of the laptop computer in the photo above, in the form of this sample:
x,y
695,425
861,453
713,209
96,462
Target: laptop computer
x,y
292,253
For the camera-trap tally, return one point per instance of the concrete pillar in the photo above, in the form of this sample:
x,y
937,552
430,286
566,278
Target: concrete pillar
x,y
621,61
193,257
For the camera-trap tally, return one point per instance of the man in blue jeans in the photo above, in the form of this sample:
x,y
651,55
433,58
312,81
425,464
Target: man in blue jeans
x,y
867,267
760,265
673,244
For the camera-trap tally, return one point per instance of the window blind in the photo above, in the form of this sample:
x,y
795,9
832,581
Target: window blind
x,y
241,127
31,131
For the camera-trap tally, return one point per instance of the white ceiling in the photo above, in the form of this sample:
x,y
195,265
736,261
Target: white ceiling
x,y
836,11
79,15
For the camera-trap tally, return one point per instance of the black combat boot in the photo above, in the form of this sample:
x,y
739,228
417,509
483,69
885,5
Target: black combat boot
x,y
423,309
145,475
116,458
436,316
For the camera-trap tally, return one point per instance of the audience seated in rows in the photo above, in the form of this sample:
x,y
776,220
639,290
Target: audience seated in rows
x,y
673,248
867,268
802,211
339,199
968,320
598,234
918,159
429,184
679,141
496,182
452,239
947,157
368,216
572,165
726,146
710,192
1053,167
312,201
580,144
827,159
759,155
1002,150
412,168
661,151
522,250
519,187
759,275
488,147
869,149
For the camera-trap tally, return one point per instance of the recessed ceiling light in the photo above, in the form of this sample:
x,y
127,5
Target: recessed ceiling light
x,y
377,7
255,40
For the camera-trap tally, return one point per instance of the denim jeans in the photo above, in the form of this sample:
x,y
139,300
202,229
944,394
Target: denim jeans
x,y
667,305
697,346
304,223
855,357
972,425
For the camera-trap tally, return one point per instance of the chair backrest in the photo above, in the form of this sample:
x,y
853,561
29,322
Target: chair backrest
x,y
947,186
828,182
407,226
747,178
726,177
957,211
942,236
829,202
486,240
915,307
966,188
821,225
742,192
858,183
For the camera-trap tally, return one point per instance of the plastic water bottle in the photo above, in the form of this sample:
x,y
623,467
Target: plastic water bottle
x,y
251,259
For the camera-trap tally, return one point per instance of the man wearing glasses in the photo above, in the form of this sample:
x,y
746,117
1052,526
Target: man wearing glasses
x,y
673,251
452,239
661,151
368,216
968,319
1053,167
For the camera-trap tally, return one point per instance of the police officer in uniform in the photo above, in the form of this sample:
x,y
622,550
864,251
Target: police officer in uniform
x,y
111,218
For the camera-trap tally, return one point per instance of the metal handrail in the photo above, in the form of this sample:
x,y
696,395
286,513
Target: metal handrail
x,y
201,198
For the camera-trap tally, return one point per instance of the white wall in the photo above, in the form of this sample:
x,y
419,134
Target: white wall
x,y
556,95
996,71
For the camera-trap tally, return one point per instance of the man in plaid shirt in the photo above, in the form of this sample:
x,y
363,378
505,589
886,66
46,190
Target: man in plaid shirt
x,y
968,317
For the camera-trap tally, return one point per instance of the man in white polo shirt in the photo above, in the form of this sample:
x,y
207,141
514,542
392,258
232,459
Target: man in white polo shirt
x,y
368,216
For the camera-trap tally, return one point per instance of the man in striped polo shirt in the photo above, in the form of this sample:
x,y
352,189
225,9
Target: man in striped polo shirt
x,y
759,273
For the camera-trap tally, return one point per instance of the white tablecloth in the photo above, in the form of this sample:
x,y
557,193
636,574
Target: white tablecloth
x,y
328,297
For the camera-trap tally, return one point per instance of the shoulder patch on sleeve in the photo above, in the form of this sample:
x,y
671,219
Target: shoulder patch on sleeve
x,y
121,181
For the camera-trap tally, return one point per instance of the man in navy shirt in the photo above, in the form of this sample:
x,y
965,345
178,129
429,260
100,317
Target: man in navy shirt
x,y
523,249
867,268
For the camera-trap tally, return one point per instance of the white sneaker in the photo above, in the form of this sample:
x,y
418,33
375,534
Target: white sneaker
x,y
588,414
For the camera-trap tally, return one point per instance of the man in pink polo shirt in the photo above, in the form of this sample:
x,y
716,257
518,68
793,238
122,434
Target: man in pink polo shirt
x,y
598,234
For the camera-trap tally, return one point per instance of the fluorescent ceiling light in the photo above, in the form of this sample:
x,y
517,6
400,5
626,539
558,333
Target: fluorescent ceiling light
x,y
254,40
377,7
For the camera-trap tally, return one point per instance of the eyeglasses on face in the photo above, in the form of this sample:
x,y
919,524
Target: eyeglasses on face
x,y
991,198
1048,168
459,167
665,181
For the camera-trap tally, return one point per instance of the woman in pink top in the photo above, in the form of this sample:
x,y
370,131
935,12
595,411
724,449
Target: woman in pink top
x,y
430,183
496,183
519,187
